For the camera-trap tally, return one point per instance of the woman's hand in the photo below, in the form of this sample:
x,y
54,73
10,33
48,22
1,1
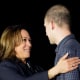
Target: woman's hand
x,y
64,65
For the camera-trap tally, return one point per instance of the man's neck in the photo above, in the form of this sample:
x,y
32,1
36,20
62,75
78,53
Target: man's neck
x,y
61,36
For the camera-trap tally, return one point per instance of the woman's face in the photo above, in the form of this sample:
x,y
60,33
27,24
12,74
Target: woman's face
x,y
23,50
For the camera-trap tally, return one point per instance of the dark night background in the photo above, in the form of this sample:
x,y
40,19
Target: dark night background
x,y
31,13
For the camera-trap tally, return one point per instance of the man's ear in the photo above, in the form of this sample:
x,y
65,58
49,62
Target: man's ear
x,y
52,25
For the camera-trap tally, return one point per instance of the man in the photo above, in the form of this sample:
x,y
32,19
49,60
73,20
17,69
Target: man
x,y
57,25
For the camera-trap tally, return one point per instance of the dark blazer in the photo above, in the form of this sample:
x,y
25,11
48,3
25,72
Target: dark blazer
x,y
16,70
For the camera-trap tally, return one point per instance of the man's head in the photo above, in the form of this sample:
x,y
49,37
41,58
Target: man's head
x,y
56,17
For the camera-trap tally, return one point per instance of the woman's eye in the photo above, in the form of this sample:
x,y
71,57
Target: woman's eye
x,y
24,40
29,40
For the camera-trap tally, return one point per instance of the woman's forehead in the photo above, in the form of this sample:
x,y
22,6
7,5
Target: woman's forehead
x,y
25,33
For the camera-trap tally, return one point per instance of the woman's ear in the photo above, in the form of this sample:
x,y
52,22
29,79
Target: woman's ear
x,y
52,25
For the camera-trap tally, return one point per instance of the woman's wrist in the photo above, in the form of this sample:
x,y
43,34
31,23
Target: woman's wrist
x,y
53,72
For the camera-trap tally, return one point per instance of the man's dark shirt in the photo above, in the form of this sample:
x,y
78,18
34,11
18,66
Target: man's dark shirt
x,y
72,46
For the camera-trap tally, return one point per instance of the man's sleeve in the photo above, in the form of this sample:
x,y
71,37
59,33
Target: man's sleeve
x,y
73,75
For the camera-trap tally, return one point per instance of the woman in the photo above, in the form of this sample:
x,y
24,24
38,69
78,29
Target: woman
x,y
15,49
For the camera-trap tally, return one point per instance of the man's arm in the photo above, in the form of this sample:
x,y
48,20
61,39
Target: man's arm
x,y
74,74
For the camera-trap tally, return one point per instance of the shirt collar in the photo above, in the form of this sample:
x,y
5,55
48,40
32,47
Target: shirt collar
x,y
63,42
